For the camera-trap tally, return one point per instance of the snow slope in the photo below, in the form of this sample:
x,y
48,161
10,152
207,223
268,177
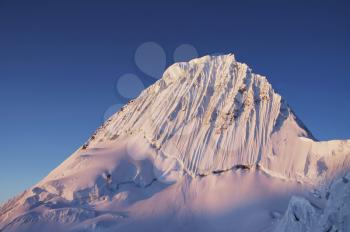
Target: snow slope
x,y
210,146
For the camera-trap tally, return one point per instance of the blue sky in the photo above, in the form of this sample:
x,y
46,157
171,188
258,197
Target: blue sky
x,y
60,61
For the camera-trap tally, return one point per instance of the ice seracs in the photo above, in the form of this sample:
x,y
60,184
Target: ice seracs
x,y
208,144
302,216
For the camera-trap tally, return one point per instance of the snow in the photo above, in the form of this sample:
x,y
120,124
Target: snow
x,y
335,216
209,147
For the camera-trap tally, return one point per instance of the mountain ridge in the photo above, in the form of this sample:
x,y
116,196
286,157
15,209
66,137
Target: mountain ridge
x,y
216,111
210,117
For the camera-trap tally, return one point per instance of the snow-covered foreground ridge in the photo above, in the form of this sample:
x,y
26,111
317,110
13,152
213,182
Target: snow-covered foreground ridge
x,y
208,147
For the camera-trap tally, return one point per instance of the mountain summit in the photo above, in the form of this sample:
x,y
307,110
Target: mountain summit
x,y
207,147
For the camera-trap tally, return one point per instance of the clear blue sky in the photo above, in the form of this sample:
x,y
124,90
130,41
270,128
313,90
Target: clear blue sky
x,y
59,62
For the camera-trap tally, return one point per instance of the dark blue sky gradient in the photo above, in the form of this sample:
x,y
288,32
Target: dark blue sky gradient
x,y
59,61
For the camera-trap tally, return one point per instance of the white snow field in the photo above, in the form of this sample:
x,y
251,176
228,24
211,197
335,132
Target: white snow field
x,y
209,147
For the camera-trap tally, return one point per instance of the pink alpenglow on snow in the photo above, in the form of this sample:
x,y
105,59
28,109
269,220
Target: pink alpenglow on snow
x,y
208,147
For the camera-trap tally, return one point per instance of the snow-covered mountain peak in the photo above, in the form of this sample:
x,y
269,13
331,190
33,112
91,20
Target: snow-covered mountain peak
x,y
203,64
211,113
210,142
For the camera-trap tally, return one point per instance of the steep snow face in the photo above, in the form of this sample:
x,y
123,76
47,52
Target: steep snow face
x,y
205,146
214,113
211,114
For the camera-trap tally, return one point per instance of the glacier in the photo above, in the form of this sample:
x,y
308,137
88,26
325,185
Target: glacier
x,y
208,147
